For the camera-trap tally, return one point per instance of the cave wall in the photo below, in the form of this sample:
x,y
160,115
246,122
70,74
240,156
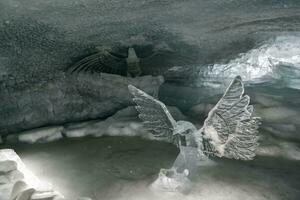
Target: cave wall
x,y
41,39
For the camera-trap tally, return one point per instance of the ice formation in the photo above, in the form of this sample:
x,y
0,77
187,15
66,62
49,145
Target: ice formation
x,y
276,60
170,180
39,135
19,183
229,131
122,123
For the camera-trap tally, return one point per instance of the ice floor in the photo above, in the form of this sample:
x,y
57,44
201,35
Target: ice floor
x,y
118,168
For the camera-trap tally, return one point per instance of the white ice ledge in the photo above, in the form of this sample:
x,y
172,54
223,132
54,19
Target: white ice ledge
x,y
17,182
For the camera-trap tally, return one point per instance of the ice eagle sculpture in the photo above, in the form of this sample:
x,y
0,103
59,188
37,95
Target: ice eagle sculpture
x,y
229,131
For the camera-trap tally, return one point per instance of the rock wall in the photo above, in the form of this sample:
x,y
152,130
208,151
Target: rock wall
x,y
68,99
41,39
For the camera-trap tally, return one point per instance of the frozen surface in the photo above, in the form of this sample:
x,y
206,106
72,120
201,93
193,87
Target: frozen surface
x,y
118,168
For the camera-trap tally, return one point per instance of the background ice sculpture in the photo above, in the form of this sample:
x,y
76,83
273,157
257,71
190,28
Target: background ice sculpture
x,y
229,131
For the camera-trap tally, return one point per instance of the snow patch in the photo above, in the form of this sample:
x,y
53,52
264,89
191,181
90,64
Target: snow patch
x,y
41,135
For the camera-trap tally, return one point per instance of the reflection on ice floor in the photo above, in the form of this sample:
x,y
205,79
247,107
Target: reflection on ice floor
x,y
124,167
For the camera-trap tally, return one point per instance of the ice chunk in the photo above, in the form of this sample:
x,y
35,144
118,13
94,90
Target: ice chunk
x,y
21,191
17,182
277,59
7,165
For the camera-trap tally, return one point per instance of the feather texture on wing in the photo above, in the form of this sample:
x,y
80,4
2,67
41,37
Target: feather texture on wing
x,y
154,114
102,61
230,130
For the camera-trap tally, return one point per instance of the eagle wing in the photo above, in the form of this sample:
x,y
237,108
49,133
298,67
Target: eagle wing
x,y
230,130
154,114
102,61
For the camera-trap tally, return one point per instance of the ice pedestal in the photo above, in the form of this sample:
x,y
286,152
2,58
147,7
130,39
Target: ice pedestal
x,y
169,180
176,179
191,159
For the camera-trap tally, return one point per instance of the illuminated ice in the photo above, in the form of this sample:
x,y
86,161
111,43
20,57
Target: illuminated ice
x,y
275,60
229,131
17,182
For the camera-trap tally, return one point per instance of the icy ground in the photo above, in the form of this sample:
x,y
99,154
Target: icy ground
x,y
118,168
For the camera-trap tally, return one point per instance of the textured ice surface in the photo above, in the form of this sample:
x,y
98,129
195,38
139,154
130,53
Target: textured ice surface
x,y
277,59
177,178
16,177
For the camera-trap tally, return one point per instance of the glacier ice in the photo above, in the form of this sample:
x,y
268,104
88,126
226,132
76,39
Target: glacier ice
x,y
276,60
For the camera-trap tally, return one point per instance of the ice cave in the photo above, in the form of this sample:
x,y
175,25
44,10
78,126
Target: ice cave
x,y
149,99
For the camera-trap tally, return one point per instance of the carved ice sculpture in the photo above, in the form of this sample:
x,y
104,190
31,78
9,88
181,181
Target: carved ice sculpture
x,y
105,60
171,180
229,131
